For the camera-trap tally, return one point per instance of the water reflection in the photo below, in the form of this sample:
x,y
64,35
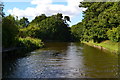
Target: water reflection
x,y
74,64
99,64
63,60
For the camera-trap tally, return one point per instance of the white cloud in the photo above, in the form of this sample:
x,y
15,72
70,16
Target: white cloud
x,y
47,7
41,2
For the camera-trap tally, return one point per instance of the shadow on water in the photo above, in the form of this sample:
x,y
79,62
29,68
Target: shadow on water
x,y
63,60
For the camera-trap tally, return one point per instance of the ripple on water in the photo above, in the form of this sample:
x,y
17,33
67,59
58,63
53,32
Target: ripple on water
x,y
71,61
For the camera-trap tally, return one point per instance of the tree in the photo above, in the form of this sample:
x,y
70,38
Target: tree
x,y
51,28
114,34
99,18
59,16
66,18
77,32
9,31
38,19
1,9
24,22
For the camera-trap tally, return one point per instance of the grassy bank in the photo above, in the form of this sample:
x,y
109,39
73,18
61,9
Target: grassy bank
x,y
107,45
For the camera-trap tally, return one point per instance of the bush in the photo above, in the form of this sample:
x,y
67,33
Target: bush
x,y
114,34
30,43
30,31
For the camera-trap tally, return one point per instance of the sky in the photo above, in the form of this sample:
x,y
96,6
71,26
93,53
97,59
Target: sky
x,y
32,8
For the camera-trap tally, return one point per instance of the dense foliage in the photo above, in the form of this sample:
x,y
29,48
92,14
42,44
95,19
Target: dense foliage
x,y
114,34
22,33
23,22
38,19
9,31
101,22
98,19
30,43
11,38
77,32
52,28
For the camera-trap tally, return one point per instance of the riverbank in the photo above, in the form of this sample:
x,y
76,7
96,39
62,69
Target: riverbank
x,y
23,47
105,45
16,52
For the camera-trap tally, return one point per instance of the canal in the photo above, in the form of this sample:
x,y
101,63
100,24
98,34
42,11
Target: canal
x,y
63,60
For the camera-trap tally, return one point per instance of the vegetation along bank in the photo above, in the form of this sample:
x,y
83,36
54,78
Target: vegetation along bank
x,y
101,25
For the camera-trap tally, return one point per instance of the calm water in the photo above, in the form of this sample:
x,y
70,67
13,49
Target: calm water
x,y
63,60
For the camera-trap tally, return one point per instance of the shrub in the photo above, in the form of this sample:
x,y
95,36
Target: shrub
x,y
30,31
30,43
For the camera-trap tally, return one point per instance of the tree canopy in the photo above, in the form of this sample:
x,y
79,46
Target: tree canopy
x,y
98,19
23,22
9,31
48,28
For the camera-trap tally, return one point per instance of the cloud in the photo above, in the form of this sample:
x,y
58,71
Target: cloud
x,y
47,7
41,2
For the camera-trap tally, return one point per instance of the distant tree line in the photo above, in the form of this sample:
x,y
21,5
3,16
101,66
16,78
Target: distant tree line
x,y
51,28
101,22
22,33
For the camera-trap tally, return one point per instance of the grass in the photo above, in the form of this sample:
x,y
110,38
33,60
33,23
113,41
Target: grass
x,y
108,45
